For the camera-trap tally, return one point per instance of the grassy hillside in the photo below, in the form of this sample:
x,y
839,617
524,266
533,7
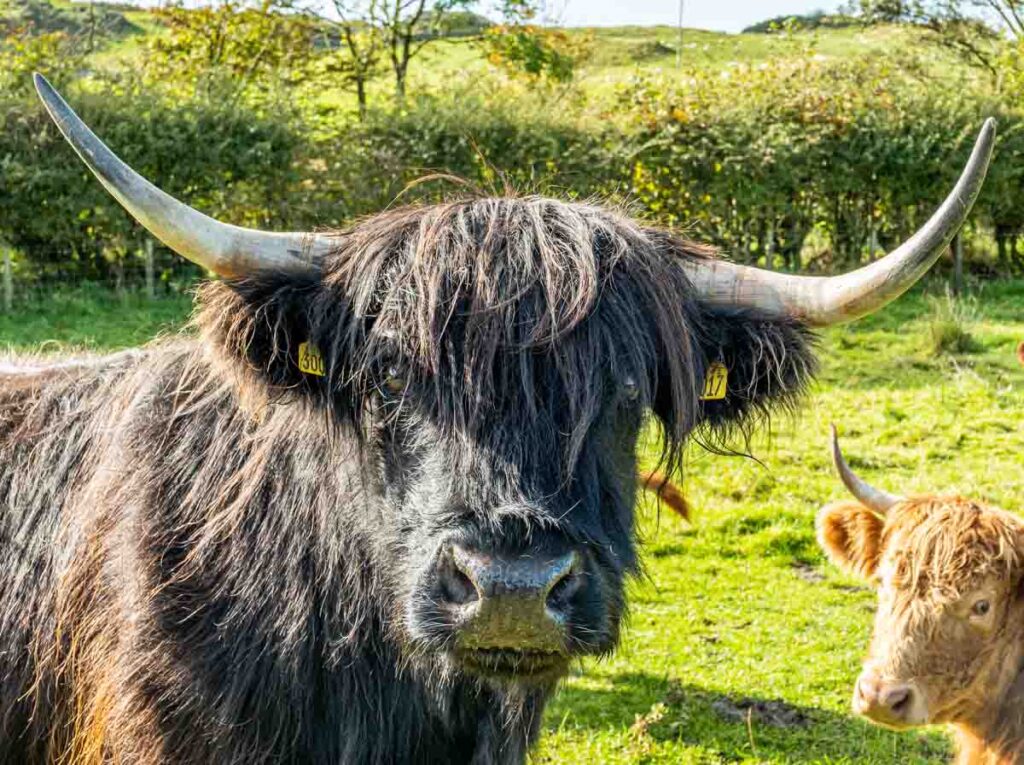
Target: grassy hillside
x,y
621,53
744,644
617,54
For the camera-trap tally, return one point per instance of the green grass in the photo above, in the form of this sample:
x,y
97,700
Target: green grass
x,y
743,644
90,319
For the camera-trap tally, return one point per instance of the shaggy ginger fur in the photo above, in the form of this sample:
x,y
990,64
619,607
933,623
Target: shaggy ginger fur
x,y
933,558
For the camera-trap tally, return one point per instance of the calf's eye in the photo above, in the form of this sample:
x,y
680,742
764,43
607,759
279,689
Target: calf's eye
x,y
980,608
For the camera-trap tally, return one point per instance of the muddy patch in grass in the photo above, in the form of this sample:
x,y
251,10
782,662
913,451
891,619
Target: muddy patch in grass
x,y
807,572
773,712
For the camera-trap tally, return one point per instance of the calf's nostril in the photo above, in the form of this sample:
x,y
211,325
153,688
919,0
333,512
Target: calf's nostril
x,y
898,700
867,690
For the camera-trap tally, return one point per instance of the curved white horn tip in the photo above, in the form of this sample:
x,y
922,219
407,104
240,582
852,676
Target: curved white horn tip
x,y
837,455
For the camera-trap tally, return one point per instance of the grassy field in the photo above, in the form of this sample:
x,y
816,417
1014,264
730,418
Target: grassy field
x,y
743,643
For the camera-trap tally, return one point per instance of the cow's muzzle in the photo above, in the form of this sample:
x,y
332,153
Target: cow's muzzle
x,y
510,612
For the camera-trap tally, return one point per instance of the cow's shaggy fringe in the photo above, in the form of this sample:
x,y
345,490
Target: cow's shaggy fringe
x,y
193,565
954,544
464,284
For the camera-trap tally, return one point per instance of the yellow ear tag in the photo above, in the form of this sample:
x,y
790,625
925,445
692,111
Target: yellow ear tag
x,y
715,382
311,361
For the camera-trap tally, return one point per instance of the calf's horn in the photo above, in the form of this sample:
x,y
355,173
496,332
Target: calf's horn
x,y
820,301
874,499
227,250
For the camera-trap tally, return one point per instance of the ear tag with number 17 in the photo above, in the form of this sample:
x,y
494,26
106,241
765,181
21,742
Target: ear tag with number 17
x,y
716,381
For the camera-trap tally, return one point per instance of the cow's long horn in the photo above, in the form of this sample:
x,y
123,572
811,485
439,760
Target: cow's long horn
x,y
821,301
874,499
227,250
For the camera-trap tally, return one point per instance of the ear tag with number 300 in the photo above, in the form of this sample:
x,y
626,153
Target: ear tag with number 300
x,y
311,361
716,381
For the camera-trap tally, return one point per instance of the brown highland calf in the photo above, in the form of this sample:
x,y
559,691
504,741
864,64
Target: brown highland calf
x,y
948,641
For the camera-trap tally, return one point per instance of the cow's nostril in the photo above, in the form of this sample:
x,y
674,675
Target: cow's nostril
x,y
502,601
565,586
456,586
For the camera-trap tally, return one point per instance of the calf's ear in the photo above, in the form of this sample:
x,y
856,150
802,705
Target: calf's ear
x,y
1018,572
851,536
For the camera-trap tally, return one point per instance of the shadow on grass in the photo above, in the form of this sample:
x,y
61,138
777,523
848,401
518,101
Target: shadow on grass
x,y
735,727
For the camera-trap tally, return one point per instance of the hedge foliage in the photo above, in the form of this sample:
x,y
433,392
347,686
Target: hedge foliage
x,y
803,164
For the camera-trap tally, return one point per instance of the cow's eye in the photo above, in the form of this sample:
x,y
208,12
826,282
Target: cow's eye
x,y
395,381
630,389
981,608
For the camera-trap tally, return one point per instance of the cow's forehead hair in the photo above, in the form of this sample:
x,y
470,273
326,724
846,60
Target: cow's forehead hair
x,y
944,546
537,266
514,320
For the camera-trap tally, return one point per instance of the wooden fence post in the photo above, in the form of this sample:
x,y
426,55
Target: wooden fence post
x,y
8,279
150,269
958,264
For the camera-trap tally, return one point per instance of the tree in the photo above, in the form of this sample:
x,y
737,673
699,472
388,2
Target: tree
x,y
404,27
363,45
523,47
232,46
976,30
407,27
881,11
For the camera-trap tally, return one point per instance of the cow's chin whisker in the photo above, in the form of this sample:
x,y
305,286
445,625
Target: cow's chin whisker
x,y
512,666
440,658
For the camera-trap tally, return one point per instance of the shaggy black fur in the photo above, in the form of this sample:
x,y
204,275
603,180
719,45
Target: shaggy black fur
x,y
208,556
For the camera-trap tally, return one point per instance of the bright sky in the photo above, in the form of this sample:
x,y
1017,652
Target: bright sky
x,y
720,15
723,15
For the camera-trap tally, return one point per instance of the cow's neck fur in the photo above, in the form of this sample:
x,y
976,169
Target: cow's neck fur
x,y
997,736
313,676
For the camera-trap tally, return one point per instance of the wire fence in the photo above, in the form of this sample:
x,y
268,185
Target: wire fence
x,y
154,272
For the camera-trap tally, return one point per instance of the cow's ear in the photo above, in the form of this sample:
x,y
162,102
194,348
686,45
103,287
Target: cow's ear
x,y
851,536
753,366
255,328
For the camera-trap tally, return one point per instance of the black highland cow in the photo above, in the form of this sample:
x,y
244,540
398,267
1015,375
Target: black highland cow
x,y
209,555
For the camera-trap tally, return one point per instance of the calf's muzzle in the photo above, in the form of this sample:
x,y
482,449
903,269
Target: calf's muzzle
x,y
886,702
